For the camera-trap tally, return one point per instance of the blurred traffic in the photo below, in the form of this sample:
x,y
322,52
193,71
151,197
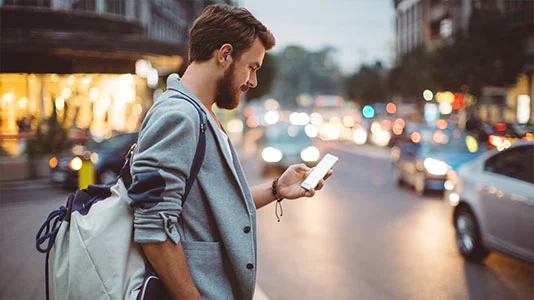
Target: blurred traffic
x,y
107,157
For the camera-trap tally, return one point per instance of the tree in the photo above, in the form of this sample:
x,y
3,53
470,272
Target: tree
x,y
301,71
266,76
490,53
368,86
414,73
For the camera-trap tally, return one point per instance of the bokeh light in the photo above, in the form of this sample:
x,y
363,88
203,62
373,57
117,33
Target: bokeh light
x,y
391,108
442,124
428,95
415,137
471,143
368,111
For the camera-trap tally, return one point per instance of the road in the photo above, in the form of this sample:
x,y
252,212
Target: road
x,y
359,238
364,238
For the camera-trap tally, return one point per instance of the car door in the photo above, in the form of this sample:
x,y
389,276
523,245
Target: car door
x,y
506,196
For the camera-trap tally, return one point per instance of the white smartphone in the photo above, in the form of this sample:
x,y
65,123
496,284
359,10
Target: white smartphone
x,y
319,171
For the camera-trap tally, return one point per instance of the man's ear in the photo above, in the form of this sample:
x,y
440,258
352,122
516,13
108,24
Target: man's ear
x,y
224,55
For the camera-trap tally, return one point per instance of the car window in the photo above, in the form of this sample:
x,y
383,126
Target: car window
x,y
516,163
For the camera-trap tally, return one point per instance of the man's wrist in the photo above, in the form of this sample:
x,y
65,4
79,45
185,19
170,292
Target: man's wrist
x,y
274,190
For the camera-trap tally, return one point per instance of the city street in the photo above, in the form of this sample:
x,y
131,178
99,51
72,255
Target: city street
x,y
361,237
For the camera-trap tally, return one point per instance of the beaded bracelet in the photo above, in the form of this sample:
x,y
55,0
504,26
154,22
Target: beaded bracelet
x,y
278,200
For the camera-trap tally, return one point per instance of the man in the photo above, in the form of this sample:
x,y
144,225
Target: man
x,y
205,248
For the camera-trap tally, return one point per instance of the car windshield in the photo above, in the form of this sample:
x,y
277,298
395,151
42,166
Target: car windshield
x,y
523,129
284,133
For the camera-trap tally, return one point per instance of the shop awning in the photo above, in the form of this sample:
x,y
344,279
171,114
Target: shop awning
x,y
63,42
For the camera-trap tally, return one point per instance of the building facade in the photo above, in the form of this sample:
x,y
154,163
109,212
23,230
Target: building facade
x,y
96,63
430,23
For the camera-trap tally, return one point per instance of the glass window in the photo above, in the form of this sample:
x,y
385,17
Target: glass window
x,y
516,163
85,5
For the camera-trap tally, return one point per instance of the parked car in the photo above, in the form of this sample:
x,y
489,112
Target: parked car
x,y
424,160
284,144
493,199
107,157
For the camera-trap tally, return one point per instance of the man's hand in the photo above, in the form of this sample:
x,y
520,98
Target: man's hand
x,y
288,186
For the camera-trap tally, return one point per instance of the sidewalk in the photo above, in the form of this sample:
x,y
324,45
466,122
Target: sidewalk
x,y
29,184
13,168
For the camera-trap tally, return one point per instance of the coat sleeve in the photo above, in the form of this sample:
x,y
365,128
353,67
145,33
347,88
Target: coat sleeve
x,y
160,167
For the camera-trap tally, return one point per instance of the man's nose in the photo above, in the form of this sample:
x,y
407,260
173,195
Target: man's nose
x,y
252,81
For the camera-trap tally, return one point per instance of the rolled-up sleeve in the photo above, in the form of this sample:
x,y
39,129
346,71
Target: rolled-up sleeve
x,y
160,167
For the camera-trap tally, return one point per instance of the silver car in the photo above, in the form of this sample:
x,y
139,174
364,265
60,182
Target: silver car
x,y
493,199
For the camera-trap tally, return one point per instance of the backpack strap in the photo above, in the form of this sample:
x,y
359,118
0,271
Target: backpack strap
x,y
197,160
201,146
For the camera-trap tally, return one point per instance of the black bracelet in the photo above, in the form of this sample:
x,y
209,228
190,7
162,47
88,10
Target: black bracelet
x,y
278,199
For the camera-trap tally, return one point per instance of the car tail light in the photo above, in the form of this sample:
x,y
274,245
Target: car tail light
x,y
495,140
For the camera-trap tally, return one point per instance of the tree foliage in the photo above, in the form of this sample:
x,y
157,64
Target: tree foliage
x,y
368,86
491,52
302,71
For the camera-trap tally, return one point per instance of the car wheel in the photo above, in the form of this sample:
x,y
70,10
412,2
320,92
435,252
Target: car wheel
x,y
420,183
107,176
397,176
468,239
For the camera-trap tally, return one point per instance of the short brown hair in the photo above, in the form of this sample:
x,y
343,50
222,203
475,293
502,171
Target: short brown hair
x,y
219,24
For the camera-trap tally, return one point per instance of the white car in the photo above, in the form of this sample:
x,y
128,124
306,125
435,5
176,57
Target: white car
x,y
493,199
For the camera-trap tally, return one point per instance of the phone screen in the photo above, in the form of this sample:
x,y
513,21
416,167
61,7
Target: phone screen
x,y
319,171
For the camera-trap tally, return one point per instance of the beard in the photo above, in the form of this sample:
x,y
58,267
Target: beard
x,y
226,96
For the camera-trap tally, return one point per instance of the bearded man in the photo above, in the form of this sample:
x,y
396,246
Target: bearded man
x,y
205,247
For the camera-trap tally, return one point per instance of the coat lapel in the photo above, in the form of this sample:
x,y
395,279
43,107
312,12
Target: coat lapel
x,y
175,84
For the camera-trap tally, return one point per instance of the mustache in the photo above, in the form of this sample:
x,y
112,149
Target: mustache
x,y
244,88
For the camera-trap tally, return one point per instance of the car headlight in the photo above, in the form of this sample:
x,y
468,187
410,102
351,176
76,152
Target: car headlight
x,y
436,167
310,154
271,154
53,162
75,163
359,136
94,157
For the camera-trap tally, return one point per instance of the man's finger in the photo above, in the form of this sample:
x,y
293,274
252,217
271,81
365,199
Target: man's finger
x,y
309,193
301,167
328,174
320,185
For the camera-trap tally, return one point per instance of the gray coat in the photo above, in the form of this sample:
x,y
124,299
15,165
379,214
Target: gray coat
x,y
216,225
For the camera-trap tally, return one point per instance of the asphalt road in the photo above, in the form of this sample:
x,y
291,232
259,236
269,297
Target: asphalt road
x,y
359,238
362,237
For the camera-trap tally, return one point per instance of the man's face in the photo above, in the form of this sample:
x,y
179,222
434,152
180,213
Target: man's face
x,y
239,76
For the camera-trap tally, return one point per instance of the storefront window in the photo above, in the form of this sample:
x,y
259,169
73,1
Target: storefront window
x,y
102,104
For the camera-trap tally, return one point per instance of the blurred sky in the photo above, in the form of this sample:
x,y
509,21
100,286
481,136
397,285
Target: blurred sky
x,y
361,30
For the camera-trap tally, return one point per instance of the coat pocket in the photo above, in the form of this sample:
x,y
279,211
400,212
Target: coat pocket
x,y
206,264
